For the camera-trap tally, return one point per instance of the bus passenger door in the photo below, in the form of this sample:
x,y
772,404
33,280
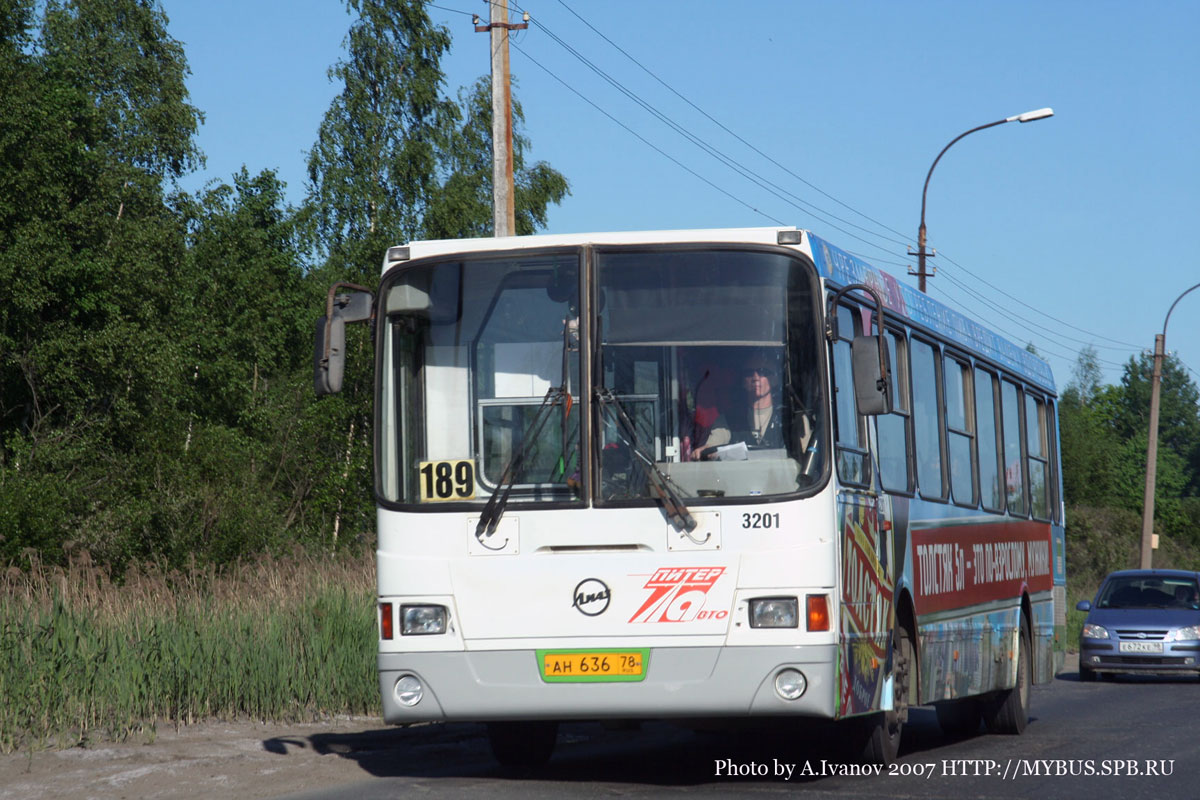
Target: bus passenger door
x,y
867,573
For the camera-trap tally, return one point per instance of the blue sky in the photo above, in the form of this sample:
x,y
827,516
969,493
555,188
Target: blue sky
x,y
1064,232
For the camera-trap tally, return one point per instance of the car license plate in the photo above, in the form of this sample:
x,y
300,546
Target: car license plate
x,y
1141,647
592,666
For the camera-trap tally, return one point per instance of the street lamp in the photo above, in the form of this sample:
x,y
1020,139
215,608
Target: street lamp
x,y
921,254
1160,341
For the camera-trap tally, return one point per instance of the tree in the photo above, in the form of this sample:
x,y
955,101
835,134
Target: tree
x,y
462,206
394,161
1089,451
259,463
95,124
93,245
1086,375
247,310
1179,412
374,165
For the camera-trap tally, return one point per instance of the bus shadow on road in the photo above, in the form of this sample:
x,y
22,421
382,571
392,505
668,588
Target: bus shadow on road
x,y
655,753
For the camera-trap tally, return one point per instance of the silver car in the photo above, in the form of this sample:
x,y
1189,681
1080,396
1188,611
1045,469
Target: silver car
x,y
1142,621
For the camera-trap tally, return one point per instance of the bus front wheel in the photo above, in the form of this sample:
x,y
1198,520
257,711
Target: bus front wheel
x,y
883,730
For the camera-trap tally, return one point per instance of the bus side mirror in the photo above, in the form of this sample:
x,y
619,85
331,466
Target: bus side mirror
x,y
329,344
329,355
871,366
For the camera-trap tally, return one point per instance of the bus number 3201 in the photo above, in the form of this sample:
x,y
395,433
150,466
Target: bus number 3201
x,y
760,520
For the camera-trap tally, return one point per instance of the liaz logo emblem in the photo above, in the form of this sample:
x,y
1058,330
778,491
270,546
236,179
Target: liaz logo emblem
x,y
677,594
591,597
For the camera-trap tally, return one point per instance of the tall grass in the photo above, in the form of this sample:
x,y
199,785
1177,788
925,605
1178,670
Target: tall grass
x,y
82,657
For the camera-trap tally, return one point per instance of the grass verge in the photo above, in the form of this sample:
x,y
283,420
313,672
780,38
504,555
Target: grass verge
x,y
278,639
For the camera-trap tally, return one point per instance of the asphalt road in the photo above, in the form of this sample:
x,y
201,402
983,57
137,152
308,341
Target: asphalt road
x,y
1132,738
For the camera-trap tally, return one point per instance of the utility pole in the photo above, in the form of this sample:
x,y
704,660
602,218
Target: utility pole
x,y
503,207
1148,543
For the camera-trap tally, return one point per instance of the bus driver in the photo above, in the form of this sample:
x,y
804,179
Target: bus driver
x,y
758,424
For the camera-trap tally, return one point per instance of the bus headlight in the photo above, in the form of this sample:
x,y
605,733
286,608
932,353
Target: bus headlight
x,y
408,690
774,612
422,620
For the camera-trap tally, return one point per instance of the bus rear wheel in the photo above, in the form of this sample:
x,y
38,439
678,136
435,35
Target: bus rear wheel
x,y
523,744
1008,712
958,718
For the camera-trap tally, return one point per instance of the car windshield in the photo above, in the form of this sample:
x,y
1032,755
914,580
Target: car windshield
x,y
1149,592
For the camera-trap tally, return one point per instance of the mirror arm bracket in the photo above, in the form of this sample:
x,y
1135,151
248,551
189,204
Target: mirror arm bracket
x,y
831,323
329,303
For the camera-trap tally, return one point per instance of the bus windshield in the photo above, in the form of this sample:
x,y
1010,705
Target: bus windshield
x,y
479,381
705,380
712,354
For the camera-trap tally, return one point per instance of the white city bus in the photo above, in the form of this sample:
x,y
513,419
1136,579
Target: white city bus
x,y
698,474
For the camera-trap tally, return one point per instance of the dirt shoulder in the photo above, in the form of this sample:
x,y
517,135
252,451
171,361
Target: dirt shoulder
x,y
213,760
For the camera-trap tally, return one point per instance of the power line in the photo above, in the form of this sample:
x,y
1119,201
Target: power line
x,y
715,152
991,307
1022,319
723,127
1035,310
763,183
645,141
451,10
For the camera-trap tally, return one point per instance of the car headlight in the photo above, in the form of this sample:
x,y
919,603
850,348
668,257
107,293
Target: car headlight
x,y
774,612
422,620
1184,634
1091,631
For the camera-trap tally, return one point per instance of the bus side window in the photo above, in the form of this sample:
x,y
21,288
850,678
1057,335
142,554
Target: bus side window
x,y
1014,473
989,442
1038,456
850,427
927,419
960,431
895,433
1055,477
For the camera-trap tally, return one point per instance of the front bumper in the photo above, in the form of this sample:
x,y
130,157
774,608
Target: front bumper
x,y
1104,655
680,682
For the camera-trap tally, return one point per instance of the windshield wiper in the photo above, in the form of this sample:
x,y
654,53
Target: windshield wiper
x,y
489,518
664,490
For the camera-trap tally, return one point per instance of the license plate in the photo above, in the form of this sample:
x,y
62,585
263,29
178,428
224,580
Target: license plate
x,y
592,666
1141,647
